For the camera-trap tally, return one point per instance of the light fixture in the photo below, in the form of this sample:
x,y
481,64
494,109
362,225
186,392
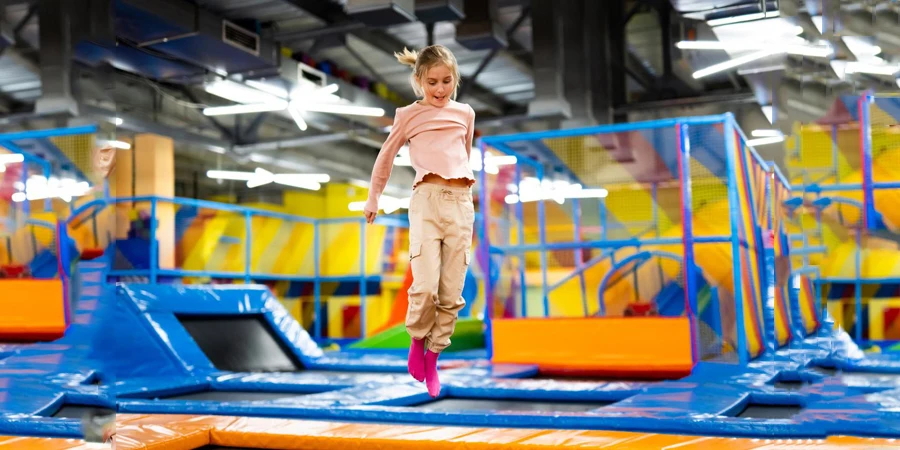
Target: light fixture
x,y
336,108
743,18
801,48
256,96
40,188
765,141
766,133
769,112
386,203
898,82
11,158
298,118
530,189
261,177
122,145
716,68
239,93
245,108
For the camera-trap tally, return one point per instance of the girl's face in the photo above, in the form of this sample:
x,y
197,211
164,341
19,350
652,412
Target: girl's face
x,y
438,85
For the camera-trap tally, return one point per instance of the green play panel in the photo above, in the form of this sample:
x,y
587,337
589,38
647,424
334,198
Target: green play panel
x,y
468,335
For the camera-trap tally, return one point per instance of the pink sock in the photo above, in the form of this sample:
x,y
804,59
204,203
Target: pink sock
x,y
431,373
416,363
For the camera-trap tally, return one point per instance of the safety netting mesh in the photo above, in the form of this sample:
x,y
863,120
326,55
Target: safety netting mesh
x,y
613,234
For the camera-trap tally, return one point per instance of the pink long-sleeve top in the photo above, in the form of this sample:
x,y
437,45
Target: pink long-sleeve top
x,y
440,143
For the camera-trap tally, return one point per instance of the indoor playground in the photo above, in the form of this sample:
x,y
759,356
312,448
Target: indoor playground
x,y
651,268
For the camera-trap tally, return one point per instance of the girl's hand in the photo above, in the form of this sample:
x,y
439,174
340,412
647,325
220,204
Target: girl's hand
x,y
370,217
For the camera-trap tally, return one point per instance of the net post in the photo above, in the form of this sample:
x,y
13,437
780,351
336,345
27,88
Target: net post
x,y
485,250
542,235
520,220
731,156
865,148
687,236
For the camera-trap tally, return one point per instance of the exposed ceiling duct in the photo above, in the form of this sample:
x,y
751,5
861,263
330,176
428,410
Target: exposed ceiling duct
x,y
382,13
478,30
549,97
431,11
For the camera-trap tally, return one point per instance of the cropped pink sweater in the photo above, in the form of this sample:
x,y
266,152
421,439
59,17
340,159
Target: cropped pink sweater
x,y
440,142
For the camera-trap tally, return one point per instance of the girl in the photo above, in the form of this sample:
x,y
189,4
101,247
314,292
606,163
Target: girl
x,y
439,131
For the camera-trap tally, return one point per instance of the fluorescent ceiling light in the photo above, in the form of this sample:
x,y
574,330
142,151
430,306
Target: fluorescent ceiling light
x,y
769,111
261,177
238,92
344,109
817,21
813,50
767,133
765,141
11,158
715,68
297,116
117,144
39,188
244,109
278,92
386,203
743,18
505,160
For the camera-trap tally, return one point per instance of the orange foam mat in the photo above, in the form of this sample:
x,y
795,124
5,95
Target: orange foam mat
x,y
163,432
159,432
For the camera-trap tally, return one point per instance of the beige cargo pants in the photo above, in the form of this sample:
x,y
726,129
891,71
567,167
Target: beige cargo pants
x,y
441,222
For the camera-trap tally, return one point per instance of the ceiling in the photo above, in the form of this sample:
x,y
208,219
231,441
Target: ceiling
x,y
150,63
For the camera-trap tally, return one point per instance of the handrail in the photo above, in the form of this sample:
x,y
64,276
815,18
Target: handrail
x,y
396,220
246,214
643,256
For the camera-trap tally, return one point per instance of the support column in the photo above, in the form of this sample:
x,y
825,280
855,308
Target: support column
x,y
154,175
56,57
575,65
549,99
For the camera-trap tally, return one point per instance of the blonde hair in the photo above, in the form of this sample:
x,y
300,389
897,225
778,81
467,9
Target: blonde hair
x,y
423,60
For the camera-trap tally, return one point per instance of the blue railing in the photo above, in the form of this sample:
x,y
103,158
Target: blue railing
x,y
155,272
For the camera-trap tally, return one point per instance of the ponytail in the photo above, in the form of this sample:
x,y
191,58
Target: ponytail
x,y
407,57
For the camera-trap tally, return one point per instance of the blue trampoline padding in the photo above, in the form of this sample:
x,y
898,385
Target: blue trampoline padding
x,y
155,328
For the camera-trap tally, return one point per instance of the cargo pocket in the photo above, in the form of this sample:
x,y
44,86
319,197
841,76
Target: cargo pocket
x,y
465,271
415,250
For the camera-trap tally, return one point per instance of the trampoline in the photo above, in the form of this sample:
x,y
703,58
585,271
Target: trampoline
x,y
72,411
234,396
494,405
240,343
769,411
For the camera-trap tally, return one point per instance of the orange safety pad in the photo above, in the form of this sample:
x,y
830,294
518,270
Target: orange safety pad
x,y
31,310
175,432
647,347
290,434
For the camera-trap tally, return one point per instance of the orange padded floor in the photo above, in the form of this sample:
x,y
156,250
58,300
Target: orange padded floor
x,y
158,432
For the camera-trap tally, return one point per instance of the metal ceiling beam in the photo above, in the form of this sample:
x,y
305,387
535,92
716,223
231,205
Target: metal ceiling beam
x,y
332,13
728,98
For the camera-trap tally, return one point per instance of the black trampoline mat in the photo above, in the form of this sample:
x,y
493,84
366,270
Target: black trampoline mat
x,y
471,404
79,411
761,411
234,396
791,385
241,343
